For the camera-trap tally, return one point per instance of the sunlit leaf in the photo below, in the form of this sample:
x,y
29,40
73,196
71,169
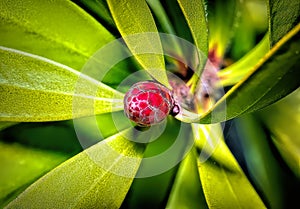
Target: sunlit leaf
x,y
187,191
163,21
223,186
283,121
58,30
37,89
283,16
136,25
235,72
20,166
195,15
99,177
159,165
271,79
261,163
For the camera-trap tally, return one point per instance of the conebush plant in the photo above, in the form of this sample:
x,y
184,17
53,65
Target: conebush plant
x,y
216,82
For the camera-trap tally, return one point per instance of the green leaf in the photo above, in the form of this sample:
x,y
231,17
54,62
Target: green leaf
x,y
58,30
187,191
223,186
253,22
137,27
222,20
195,15
283,17
283,121
4,125
235,72
37,89
159,165
99,177
271,79
161,15
263,167
20,166
99,9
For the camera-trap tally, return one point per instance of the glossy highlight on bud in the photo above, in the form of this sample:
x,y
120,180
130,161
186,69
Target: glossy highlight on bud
x,y
148,103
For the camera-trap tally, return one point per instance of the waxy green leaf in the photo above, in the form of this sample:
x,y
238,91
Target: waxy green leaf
x,y
261,162
283,16
271,79
137,27
224,185
235,72
283,121
98,177
187,190
99,9
195,15
34,88
20,166
58,30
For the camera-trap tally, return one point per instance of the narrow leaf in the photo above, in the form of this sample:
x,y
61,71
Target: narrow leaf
x,y
235,72
283,121
161,15
224,186
137,27
263,166
195,15
283,17
271,79
99,177
99,9
20,166
58,30
187,190
37,89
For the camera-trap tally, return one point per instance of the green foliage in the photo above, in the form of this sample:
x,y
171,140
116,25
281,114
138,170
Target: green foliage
x,y
23,165
45,90
51,70
146,45
99,177
283,134
265,84
58,30
194,13
224,183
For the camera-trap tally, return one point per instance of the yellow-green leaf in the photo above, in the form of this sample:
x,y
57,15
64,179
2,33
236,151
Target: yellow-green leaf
x,y
187,191
20,166
58,30
235,72
99,177
224,185
195,16
137,27
34,88
283,121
